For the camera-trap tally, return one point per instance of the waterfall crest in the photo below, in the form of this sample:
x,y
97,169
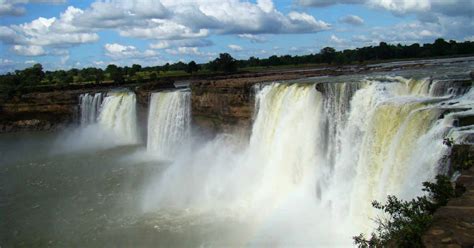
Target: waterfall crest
x,y
169,121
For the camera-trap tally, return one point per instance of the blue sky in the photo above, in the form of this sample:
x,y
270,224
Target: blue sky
x,y
62,34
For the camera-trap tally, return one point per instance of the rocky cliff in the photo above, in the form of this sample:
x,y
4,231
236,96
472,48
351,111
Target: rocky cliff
x,y
453,224
39,111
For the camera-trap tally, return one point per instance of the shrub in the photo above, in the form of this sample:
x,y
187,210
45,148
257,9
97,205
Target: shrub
x,y
406,221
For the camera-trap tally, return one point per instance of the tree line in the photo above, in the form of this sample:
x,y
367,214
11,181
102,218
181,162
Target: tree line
x,y
35,75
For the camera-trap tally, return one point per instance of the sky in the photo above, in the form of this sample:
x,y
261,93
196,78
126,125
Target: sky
x,y
64,34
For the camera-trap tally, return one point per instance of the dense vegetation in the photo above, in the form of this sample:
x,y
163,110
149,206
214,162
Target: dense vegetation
x,y
35,76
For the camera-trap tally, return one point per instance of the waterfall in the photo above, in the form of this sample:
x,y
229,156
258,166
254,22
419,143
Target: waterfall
x,y
118,117
169,122
105,122
318,155
89,107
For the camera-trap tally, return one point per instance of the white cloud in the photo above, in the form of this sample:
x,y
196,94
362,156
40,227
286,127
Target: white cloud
x,y
160,45
191,51
181,43
252,37
404,33
242,17
15,7
185,51
402,6
304,23
118,51
48,31
163,29
235,48
323,3
265,5
337,40
452,19
7,8
352,20
445,7
29,50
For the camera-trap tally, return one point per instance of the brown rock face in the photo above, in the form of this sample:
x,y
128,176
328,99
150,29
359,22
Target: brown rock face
x,y
39,111
222,106
453,225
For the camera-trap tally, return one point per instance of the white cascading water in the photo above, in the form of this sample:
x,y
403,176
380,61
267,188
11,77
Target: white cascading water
x,y
169,121
118,117
90,107
315,161
114,123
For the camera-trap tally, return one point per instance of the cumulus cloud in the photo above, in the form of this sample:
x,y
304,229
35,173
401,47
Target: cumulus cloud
x,y
242,17
29,50
118,51
352,20
15,7
48,31
235,48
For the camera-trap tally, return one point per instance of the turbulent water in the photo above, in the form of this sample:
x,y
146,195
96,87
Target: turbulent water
x,y
169,121
318,155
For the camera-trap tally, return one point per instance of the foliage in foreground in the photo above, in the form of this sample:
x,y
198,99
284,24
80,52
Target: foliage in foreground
x,y
406,221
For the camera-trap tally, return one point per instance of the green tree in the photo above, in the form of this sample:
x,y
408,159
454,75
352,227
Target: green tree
x,y
32,75
192,67
166,67
341,59
328,54
111,69
135,68
440,47
99,76
225,63
115,73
